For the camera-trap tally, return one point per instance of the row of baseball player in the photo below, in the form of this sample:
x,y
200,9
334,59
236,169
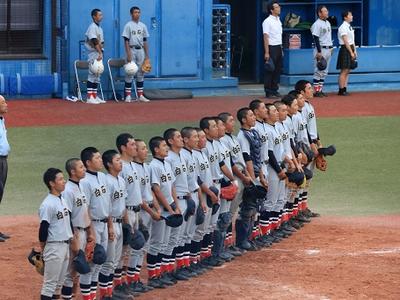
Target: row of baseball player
x,y
135,35
198,181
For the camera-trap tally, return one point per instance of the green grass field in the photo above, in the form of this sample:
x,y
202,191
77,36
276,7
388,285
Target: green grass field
x,y
361,178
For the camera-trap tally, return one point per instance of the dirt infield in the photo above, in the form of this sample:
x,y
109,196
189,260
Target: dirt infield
x,y
330,258
61,112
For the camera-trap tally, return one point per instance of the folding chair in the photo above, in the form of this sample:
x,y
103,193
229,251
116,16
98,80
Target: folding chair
x,y
83,65
118,63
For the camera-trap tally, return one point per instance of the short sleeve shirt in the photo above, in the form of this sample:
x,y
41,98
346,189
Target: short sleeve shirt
x,y
273,27
76,202
179,169
117,188
322,29
95,188
136,33
203,167
130,174
144,178
308,113
161,174
54,211
346,29
187,156
94,31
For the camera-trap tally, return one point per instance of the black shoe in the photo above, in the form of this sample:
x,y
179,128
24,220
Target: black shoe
x,y
190,272
164,280
294,224
277,94
254,246
318,95
145,287
179,276
289,227
324,94
124,290
155,283
213,262
2,240
169,277
271,96
4,236
203,264
303,219
245,245
197,268
234,251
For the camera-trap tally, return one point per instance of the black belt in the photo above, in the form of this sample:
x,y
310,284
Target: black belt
x,y
100,220
217,181
82,228
184,197
326,47
3,156
60,242
134,208
195,191
117,220
136,47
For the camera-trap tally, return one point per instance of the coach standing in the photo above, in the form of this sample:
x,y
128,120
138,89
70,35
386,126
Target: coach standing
x,y
4,150
272,30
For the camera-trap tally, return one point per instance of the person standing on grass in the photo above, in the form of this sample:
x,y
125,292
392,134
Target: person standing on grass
x,y
347,52
4,150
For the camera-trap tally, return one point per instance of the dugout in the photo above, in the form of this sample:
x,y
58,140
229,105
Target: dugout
x,y
40,39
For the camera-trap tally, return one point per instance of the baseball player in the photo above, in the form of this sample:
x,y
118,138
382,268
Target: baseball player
x,y
242,178
322,35
150,211
309,117
283,126
55,234
94,186
162,181
251,145
260,112
276,175
127,148
225,217
203,233
94,43
135,35
191,141
176,246
76,202
116,188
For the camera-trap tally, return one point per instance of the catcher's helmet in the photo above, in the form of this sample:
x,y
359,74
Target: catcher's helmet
x,y
96,67
130,68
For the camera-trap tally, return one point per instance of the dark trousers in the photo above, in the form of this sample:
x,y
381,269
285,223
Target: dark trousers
x,y
272,79
3,174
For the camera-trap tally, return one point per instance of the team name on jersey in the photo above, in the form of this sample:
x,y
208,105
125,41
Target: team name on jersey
x,y
285,136
264,138
98,192
117,195
61,214
80,201
213,157
166,177
204,166
136,32
302,126
144,180
179,171
131,178
311,115
192,167
236,149
277,140
225,155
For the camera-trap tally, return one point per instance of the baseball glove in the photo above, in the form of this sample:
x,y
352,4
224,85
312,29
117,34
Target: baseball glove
x,y
89,250
146,66
321,163
36,260
229,192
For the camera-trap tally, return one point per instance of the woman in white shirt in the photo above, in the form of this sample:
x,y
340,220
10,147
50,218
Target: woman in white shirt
x,y
347,53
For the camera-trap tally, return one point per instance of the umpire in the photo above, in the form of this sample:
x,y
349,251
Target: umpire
x,y
4,150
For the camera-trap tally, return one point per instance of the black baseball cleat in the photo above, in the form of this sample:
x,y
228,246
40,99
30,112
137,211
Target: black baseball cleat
x,y
4,236
169,277
155,283
179,276
164,280
2,240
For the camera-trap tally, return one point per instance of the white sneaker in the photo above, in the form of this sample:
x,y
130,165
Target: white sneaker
x,y
100,100
92,100
128,99
143,99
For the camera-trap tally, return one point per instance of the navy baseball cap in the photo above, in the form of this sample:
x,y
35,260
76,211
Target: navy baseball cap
x,y
99,255
216,192
190,209
200,215
137,240
174,220
126,233
322,64
80,263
